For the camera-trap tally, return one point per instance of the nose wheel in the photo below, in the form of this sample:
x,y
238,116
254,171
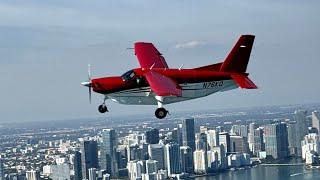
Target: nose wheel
x,y
161,113
102,108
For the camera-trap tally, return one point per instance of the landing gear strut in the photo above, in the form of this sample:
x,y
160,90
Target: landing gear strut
x,y
102,108
161,113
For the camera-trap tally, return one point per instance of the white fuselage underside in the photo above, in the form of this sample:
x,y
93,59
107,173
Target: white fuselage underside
x,y
144,96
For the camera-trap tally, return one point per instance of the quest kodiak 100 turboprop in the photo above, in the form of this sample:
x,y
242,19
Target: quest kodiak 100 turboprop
x,y
154,83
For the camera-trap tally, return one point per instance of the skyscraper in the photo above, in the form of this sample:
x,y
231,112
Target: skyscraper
x,y
252,127
276,137
301,127
200,161
152,136
108,151
212,138
316,121
258,144
239,144
186,157
89,156
201,141
188,135
224,139
172,158
1,170
292,136
156,152
177,136
77,166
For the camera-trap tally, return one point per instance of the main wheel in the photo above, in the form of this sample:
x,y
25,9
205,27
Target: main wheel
x,y
161,113
102,108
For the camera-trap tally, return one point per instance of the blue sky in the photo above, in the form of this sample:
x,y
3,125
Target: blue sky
x,y
45,47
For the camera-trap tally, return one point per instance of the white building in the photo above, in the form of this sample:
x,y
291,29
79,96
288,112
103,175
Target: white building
x,y
200,161
310,143
135,169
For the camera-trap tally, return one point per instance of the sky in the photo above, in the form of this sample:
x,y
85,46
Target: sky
x,y
45,47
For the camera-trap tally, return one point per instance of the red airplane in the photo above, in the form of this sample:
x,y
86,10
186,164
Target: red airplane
x,y
154,83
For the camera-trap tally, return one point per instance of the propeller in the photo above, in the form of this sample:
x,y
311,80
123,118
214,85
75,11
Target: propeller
x,y
89,82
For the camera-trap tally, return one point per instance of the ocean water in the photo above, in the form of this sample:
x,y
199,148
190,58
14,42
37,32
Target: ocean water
x,y
268,173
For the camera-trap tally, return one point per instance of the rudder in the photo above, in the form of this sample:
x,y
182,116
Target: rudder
x,y
238,58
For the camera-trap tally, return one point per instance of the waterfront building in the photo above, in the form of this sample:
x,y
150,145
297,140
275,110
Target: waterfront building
x,y
152,136
258,144
108,152
276,137
212,138
224,139
220,150
186,157
316,120
292,138
92,173
172,158
89,156
252,127
213,160
300,116
156,152
310,143
200,161
239,144
188,135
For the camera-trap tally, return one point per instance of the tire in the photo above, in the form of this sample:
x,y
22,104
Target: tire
x,y
161,113
102,108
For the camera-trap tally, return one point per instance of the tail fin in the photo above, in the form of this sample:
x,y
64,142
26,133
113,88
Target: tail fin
x,y
237,59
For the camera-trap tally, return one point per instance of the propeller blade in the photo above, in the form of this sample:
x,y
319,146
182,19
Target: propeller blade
x,y
90,94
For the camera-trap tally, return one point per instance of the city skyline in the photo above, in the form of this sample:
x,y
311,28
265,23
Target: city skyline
x,y
52,51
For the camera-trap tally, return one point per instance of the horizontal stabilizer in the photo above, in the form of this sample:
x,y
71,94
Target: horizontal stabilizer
x,y
244,82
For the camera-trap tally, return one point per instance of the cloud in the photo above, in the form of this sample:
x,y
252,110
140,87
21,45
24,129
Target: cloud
x,y
190,44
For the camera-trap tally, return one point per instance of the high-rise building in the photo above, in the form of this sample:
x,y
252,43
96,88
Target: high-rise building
x,y
240,130
135,169
172,158
186,157
276,137
201,141
89,156
258,144
301,127
252,127
152,136
316,120
77,166
213,160
239,144
177,136
156,152
220,150
293,144
108,152
212,138
224,139
310,144
1,170
188,135
32,175
200,161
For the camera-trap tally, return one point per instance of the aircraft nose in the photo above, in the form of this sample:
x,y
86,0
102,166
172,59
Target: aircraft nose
x,y
86,83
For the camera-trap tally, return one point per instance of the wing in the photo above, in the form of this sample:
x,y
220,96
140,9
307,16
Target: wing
x,y
149,56
162,85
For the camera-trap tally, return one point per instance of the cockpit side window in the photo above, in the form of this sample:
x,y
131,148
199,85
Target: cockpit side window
x,y
128,75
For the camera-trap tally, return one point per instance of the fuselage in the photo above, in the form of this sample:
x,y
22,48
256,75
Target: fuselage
x,y
132,88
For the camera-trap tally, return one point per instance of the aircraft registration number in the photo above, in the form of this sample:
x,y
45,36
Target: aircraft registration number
x,y
212,84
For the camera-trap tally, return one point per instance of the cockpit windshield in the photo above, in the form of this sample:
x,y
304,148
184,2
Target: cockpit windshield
x,y
128,75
